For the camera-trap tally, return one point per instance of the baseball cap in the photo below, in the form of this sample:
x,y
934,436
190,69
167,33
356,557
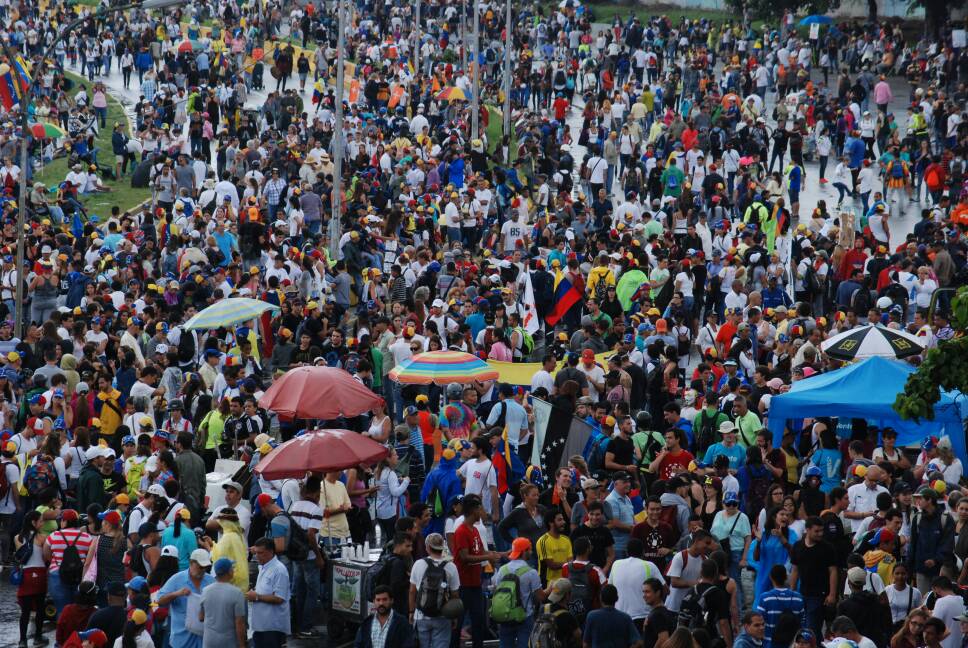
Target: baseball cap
x,y
233,485
560,590
138,583
589,482
202,557
587,354
170,550
264,500
621,476
929,443
435,541
857,575
223,566
96,637
731,498
157,489
122,498
128,440
518,547
112,517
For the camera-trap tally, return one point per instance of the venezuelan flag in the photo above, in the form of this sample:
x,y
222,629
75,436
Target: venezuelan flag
x,y
23,71
566,296
318,90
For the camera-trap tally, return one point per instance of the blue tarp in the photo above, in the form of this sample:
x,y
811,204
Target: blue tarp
x,y
867,390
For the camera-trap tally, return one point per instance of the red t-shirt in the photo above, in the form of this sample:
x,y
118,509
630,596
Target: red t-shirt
x,y
725,335
467,537
673,464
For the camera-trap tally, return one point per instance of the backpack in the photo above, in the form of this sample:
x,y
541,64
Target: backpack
x,y
756,496
506,603
933,179
136,562
673,181
580,603
25,551
136,469
811,283
693,611
186,347
596,454
71,566
861,301
707,432
433,589
527,341
897,170
380,573
786,628
40,476
670,515
298,547
544,634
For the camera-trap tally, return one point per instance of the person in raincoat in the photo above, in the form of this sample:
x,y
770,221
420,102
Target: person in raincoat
x,y
231,545
441,487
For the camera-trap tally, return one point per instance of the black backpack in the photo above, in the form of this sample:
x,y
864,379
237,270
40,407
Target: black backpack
x,y
298,548
186,347
433,590
580,603
694,609
71,566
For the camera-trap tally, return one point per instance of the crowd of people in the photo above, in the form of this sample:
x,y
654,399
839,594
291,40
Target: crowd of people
x,y
702,202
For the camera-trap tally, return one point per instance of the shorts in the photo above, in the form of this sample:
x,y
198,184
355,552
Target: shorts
x,y
119,159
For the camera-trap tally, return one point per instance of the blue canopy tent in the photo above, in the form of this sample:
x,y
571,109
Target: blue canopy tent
x,y
867,390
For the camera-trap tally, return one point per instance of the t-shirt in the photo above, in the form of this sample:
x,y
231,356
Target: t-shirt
x,y
813,565
222,604
557,549
627,576
654,538
334,495
609,628
600,538
58,541
480,476
660,620
467,537
674,463
529,583
623,449
685,567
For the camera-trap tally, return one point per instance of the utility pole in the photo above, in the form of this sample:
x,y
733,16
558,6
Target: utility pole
x,y
476,99
415,54
335,224
507,77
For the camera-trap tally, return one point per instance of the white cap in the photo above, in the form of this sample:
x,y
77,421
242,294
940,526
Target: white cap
x,y
438,303
202,557
162,349
169,550
157,489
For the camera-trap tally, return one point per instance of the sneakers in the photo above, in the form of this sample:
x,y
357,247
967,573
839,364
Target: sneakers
x,y
823,181
309,634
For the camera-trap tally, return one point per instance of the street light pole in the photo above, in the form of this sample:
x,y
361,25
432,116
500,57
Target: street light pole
x,y
337,139
25,131
476,99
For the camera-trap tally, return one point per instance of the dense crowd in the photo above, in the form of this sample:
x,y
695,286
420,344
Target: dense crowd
x,y
702,202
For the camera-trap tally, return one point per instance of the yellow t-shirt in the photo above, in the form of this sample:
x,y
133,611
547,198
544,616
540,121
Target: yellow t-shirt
x,y
333,496
557,549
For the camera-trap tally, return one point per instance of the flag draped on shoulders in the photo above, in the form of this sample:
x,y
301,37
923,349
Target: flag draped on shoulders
x,y
568,292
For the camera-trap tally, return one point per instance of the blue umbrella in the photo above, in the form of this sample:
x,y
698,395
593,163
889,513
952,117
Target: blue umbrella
x,y
816,20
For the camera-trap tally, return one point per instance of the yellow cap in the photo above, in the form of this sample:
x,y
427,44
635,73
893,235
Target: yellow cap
x,y
95,422
122,498
139,617
145,420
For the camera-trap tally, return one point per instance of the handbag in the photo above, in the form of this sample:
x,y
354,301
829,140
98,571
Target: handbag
x,y
90,574
724,542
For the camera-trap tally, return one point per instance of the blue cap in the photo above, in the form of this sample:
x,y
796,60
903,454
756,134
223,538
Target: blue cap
x,y
813,471
213,353
628,338
730,498
410,411
58,393
434,266
161,434
643,328
242,332
138,583
128,440
35,399
222,566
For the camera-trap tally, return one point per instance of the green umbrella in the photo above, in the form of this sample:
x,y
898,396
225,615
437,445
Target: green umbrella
x,y
628,285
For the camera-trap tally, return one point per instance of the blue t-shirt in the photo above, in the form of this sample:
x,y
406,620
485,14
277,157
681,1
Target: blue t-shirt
x,y
829,461
736,455
609,628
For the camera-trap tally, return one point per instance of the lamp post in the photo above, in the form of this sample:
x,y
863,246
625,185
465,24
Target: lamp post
x,y
507,77
24,132
476,53
335,223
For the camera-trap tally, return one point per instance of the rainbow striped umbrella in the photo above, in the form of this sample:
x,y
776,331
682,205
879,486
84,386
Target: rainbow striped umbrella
x,y
442,367
229,312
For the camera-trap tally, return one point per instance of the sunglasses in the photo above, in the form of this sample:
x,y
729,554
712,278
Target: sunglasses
x,y
732,504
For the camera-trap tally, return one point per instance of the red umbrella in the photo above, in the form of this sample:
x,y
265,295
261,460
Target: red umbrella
x,y
319,452
318,393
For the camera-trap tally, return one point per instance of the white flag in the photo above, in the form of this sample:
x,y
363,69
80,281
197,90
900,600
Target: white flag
x,y
531,320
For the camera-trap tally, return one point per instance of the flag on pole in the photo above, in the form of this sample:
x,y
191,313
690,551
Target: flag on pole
x,y
558,435
531,321
566,296
23,71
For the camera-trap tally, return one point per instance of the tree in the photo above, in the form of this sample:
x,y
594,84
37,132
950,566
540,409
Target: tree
x,y
773,10
936,13
944,368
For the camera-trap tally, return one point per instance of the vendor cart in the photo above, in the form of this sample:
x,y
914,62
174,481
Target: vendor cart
x,y
350,600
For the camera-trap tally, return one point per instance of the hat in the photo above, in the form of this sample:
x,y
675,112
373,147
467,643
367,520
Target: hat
x,y
930,443
137,615
560,589
122,498
137,583
223,566
731,498
857,575
726,427
233,485
901,487
96,637
774,383
82,387
518,547
158,490
661,326
621,475
264,500
112,517
588,355
589,483
202,557
170,550
436,542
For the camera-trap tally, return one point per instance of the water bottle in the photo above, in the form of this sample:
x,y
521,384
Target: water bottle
x,y
377,535
366,550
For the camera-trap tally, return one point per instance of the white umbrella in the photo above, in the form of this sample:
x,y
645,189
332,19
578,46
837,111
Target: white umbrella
x,y
872,340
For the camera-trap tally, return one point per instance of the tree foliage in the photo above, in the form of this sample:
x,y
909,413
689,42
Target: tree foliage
x,y
944,368
773,10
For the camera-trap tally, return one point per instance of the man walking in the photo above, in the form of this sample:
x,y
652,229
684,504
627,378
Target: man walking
x,y
433,581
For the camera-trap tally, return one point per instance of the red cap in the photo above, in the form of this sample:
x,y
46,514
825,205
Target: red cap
x,y
264,500
588,354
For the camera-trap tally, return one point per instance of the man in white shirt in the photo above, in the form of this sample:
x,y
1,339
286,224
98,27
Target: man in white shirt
x,y
628,575
543,378
863,497
480,478
435,630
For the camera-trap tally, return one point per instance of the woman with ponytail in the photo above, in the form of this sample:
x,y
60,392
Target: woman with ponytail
x,y
135,635
180,535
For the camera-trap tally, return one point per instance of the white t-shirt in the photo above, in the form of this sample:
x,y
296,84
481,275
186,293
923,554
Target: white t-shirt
x,y
542,379
12,470
597,166
873,584
947,608
627,576
420,568
512,231
899,601
688,572
479,476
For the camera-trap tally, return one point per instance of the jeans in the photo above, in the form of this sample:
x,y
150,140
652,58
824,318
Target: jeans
x,y
270,639
515,635
305,592
434,633
473,599
60,593
737,575
813,612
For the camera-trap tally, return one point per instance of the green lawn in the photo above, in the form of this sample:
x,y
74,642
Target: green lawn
x,y
606,12
121,193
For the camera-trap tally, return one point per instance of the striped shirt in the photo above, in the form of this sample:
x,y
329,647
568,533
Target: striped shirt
x,y
58,541
774,603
